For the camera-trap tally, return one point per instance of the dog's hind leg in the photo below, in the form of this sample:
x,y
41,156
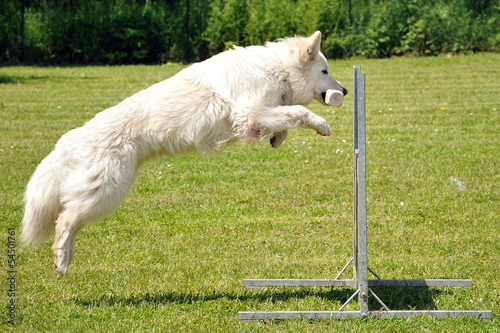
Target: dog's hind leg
x,y
278,138
88,197
67,227
72,241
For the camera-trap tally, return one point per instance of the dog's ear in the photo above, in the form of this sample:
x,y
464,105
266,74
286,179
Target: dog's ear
x,y
311,48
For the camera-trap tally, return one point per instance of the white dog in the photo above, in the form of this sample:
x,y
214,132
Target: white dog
x,y
248,94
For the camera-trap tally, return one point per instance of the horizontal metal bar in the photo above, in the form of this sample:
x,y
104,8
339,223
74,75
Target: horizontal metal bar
x,y
277,315
263,315
480,314
260,283
421,283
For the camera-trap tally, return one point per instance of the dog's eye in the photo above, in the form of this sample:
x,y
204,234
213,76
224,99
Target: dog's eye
x,y
324,71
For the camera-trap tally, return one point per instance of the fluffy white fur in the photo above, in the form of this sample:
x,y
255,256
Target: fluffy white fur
x,y
248,94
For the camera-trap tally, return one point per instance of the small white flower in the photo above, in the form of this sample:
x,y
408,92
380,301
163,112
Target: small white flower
x,y
402,203
460,184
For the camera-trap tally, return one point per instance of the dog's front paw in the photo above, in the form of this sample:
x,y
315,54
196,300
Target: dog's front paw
x,y
318,123
324,129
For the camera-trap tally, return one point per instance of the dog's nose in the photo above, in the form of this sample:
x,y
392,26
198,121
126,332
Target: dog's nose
x,y
344,91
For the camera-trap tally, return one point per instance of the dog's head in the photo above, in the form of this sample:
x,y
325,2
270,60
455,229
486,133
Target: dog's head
x,y
315,69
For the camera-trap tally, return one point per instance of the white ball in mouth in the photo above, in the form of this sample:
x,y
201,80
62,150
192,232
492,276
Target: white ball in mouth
x,y
334,97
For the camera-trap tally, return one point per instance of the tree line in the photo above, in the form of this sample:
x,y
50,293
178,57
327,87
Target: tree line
x,y
157,31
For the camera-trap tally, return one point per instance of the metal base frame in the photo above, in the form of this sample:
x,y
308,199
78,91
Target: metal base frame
x,y
279,315
360,256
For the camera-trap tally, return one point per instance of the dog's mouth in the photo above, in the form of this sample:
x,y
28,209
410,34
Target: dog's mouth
x,y
320,96
323,96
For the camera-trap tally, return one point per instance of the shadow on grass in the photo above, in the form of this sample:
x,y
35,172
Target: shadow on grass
x,y
406,298
397,298
11,79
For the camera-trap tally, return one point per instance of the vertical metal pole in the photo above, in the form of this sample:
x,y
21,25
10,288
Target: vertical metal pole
x,y
360,225
362,220
355,179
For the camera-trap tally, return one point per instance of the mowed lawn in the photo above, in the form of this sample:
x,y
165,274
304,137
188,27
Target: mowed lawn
x,y
174,256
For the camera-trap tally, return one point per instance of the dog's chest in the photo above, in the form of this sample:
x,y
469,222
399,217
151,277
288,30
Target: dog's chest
x,y
286,96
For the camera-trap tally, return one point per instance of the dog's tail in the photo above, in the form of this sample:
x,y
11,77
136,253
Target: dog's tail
x,y
42,203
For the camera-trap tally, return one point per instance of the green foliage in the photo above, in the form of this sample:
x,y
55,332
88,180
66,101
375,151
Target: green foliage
x,y
226,24
155,31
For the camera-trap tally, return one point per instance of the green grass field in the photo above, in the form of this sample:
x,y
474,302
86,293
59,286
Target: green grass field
x,y
173,257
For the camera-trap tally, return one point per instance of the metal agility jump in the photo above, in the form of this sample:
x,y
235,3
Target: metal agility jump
x,y
359,259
